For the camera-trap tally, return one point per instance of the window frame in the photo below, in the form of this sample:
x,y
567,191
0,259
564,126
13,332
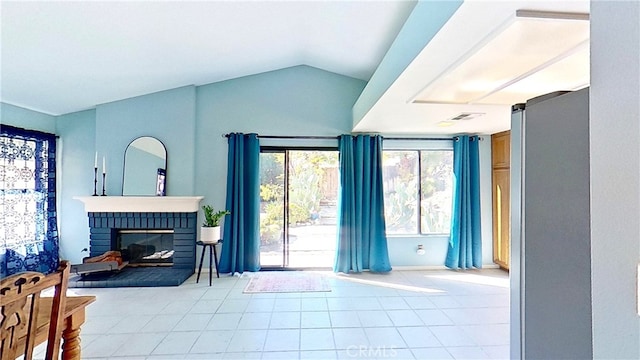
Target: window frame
x,y
284,147
419,146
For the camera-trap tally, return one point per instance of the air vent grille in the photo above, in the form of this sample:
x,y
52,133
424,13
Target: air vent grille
x,y
466,116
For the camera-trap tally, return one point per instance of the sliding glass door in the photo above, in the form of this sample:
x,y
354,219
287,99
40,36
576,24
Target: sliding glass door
x,y
298,194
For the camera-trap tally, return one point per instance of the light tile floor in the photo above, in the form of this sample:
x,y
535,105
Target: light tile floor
x,y
402,315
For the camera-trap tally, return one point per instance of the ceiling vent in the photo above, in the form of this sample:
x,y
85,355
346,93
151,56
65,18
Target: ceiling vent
x,y
466,116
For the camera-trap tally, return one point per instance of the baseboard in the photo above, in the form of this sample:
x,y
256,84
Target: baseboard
x,y
394,267
436,267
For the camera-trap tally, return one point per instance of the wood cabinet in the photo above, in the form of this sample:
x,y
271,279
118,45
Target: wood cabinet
x,y
501,150
500,178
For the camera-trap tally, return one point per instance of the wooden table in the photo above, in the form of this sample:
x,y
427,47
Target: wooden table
x,y
74,316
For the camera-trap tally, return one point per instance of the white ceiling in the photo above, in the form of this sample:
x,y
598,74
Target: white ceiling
x,y
62,57
461,36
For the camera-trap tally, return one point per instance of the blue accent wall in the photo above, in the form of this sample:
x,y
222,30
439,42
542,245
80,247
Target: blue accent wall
x,y
168,116
300,100
26,119
191,122
76,146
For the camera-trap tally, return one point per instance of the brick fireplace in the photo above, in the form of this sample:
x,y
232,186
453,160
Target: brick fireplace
x,y
111,216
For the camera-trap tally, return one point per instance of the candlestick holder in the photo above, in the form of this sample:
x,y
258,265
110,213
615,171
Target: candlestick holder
x,y
103,177
95,181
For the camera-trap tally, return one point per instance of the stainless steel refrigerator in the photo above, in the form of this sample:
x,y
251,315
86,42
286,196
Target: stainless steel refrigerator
x,y
550,228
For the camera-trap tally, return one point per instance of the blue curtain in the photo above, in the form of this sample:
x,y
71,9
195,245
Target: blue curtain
x,y
465,243
29,230
241,246
362,242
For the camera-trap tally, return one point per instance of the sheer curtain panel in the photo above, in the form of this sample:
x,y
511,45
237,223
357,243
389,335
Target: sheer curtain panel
x,y
28,224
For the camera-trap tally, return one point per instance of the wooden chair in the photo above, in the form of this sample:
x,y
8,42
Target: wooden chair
x,y
19,309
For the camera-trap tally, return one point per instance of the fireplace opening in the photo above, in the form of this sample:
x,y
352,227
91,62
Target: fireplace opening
x,y
145,247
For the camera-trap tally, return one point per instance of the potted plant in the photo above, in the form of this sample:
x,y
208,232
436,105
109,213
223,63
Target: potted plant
x,y
210,231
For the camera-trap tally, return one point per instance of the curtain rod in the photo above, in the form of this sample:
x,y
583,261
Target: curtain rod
x,y
337,137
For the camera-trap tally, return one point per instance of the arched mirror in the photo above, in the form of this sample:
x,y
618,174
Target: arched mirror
x,y
145,167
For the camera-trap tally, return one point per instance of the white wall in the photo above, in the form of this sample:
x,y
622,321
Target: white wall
x,y
615,177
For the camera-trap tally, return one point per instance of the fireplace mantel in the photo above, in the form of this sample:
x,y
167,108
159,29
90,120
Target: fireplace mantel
x,y
140,203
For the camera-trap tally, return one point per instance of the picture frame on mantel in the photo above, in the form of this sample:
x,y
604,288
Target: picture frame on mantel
x,y
161,182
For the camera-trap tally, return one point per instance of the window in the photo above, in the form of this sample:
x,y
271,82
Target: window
x,y
418,190
28,231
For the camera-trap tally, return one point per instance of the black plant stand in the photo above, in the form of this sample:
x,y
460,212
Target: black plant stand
x,y
213,254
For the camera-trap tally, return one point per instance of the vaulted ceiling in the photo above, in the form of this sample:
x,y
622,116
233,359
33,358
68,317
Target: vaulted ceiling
x,y
61,57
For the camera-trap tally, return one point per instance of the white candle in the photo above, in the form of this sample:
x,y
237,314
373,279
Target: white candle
x,y
104,166
95,161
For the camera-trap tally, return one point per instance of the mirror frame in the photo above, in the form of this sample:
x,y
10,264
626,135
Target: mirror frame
x,y
160,173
